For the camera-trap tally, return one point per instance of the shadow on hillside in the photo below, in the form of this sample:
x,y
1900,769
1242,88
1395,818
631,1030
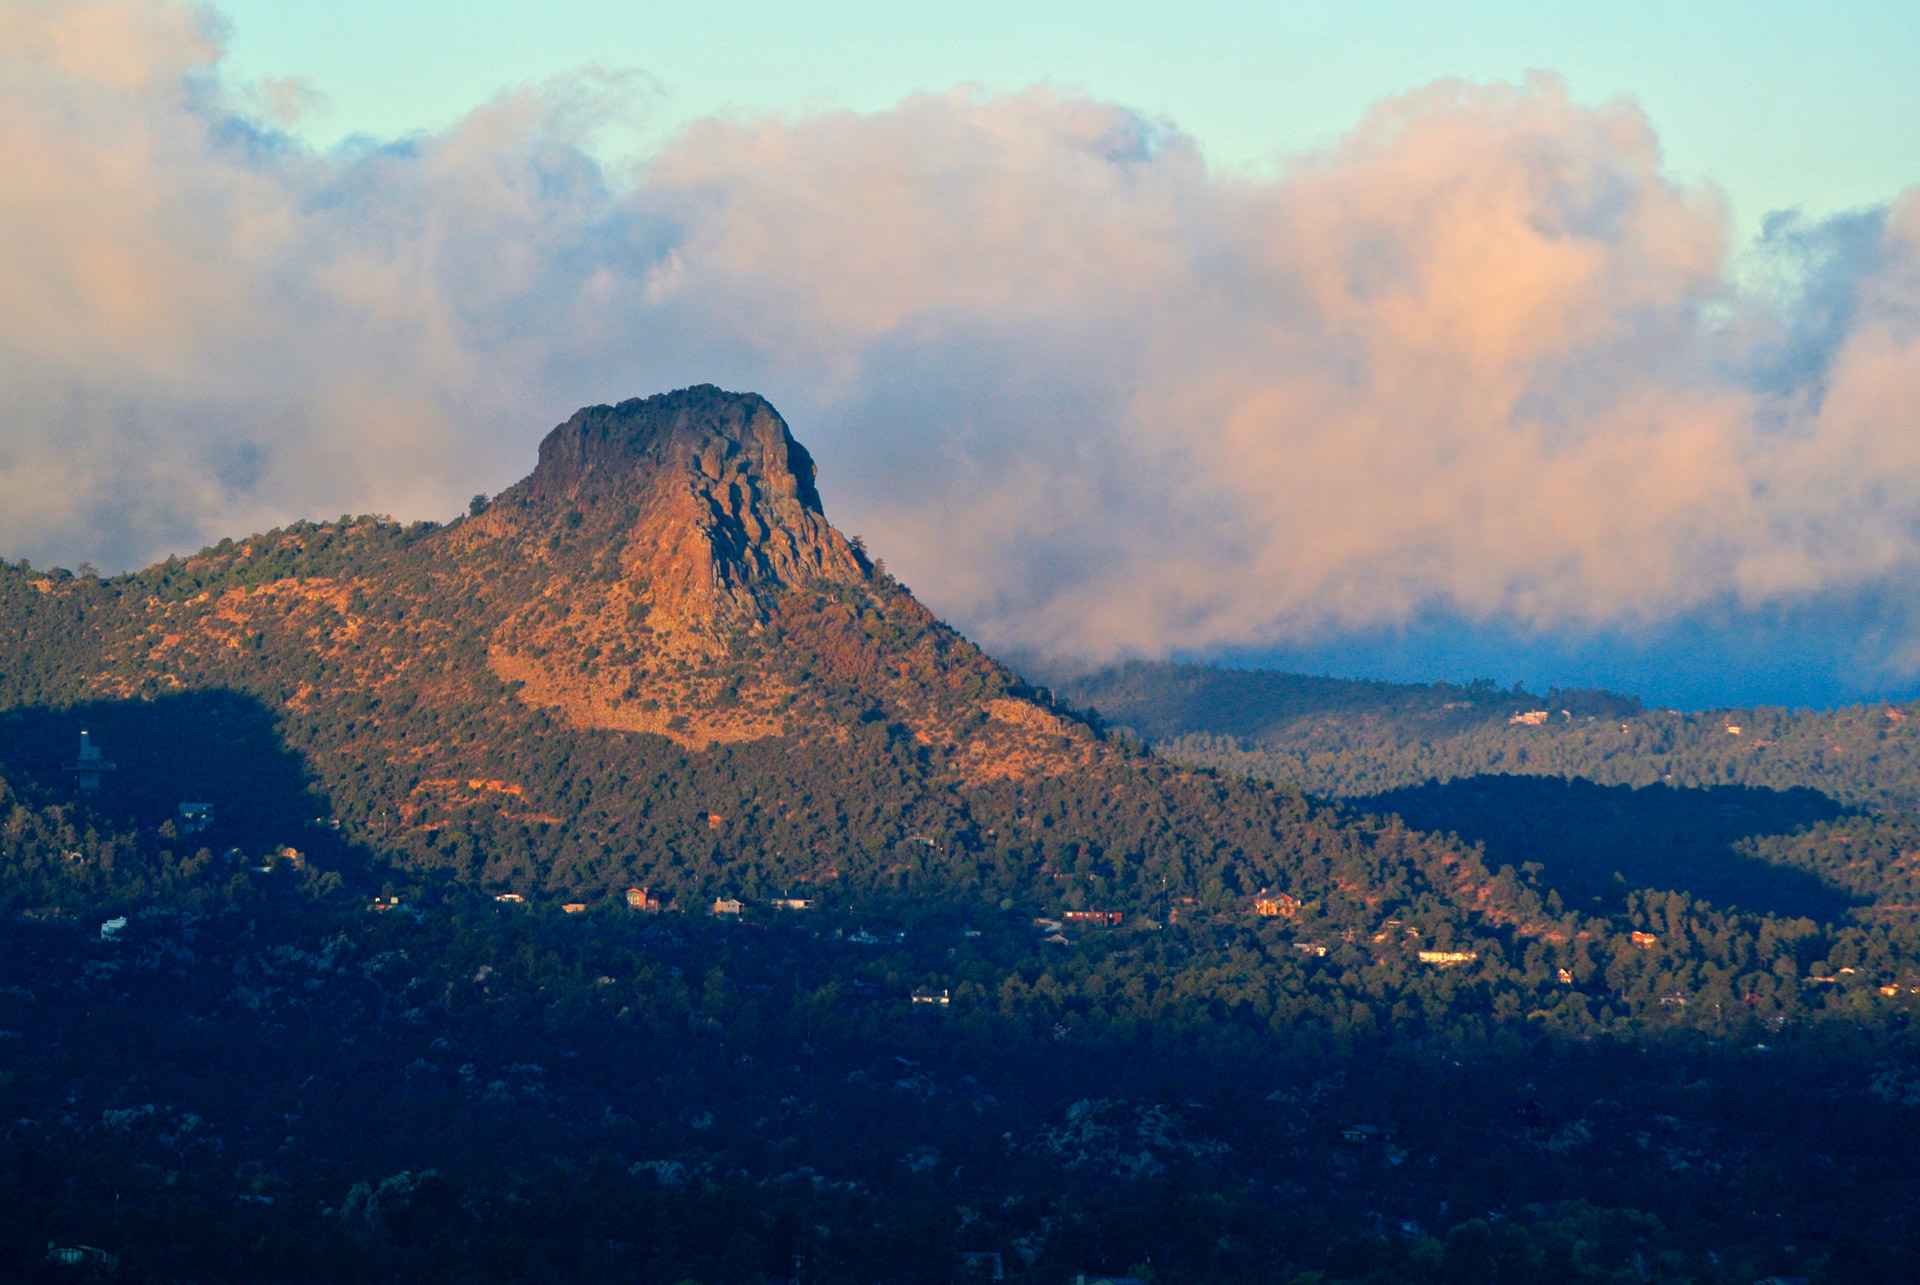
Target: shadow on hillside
x,y
218,747
1601,841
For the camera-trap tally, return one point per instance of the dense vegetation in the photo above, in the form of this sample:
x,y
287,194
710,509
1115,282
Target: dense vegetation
x,y
392,1017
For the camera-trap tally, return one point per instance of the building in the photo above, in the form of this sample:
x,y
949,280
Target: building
x,y
981,1265
195,817
90,766
1366,1133
1104,918
81,1256
511,898
574,907
793,903
1644,940
1448,958
927,995
1276,905
643,900
728,906
111,930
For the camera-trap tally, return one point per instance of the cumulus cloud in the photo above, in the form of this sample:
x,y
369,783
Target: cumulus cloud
x,y
1481,358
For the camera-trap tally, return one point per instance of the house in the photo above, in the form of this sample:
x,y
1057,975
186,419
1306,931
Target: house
x,y
643,900
793,903
81,1256
728,906
1448,958
574,907
1105,918
1310,948
90,766
195,817
111,930
1644,940
1566,977
981,1265
929,996
1366,1133
511,898
1279,906
381,905
1530,718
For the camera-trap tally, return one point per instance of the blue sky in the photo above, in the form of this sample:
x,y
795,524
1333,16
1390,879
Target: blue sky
x,y
1784,104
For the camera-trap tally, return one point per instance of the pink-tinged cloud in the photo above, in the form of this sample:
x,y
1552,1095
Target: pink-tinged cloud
x,y
1482,357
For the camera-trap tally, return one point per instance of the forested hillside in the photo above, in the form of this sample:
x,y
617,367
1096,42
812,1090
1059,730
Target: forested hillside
x,y
631,880
1341,738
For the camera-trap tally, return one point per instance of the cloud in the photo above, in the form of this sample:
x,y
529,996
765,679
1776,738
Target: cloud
x,y
1482,358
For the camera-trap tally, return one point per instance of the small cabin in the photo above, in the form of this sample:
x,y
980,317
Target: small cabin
x,y
729,906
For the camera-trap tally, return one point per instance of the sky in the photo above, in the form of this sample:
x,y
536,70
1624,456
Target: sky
x,y
1409,340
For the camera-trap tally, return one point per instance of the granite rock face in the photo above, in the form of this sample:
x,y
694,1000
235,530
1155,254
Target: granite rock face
x,y
708,493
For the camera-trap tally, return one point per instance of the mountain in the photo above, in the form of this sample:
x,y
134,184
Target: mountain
x,y
1033,1002
652,662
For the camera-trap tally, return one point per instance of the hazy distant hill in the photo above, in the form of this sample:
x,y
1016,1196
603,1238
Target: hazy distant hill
x,y
1344,738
